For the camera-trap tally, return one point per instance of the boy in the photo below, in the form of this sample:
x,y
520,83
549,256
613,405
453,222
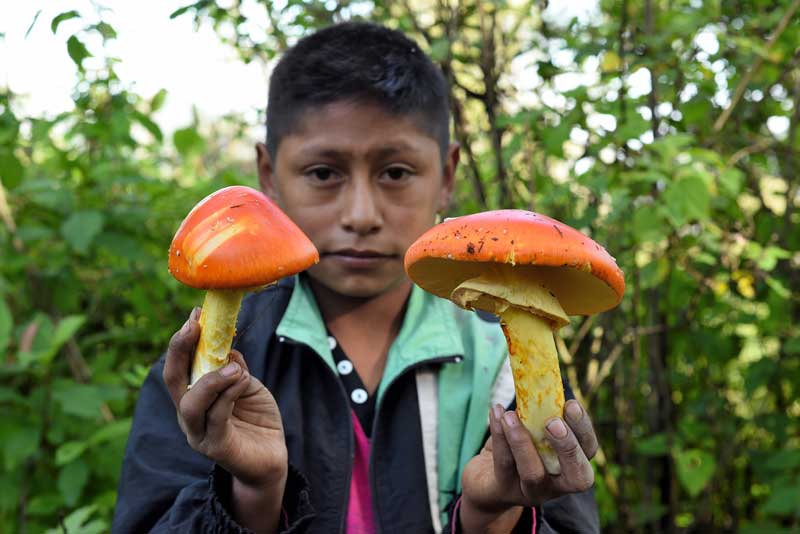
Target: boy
x,y
354,402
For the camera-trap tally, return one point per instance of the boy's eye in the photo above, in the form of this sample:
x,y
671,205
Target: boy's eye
x,y
322,174
395,174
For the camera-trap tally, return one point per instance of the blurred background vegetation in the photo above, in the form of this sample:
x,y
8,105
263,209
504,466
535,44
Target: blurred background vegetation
x,y
666,129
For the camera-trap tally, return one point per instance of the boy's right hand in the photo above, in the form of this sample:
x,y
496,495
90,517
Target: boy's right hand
x,y
228,415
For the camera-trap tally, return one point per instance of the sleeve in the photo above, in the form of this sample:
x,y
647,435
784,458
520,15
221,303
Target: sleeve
x,y
166,486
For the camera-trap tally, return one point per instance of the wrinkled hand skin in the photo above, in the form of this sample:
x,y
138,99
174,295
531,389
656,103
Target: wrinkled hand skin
x,y
508,473
231,418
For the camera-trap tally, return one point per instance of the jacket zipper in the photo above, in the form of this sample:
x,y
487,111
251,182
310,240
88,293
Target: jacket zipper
x,y
376,421
375,424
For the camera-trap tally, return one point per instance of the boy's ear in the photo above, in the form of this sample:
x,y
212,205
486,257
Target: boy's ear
x,y
449,175
266,174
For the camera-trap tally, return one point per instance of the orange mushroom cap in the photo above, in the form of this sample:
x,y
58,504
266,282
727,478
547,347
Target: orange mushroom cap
x,y
238,238
582,275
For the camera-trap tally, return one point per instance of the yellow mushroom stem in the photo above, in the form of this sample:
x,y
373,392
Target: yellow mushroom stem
x,y
529,313
217,328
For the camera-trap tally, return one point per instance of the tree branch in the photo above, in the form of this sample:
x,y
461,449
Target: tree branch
x,y
740,89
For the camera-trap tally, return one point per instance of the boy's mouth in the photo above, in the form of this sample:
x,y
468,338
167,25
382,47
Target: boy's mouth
x,y
359,259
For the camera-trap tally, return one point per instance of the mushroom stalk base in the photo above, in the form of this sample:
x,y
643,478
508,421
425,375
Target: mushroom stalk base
x,y
537,379
217,328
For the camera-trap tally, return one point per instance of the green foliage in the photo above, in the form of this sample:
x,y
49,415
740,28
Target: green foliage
x,y
611,123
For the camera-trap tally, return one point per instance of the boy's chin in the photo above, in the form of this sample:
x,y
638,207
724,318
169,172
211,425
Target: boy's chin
x,y
356,286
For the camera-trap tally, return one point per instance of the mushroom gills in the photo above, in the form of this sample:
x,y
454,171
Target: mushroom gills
x,y
528,315
217,328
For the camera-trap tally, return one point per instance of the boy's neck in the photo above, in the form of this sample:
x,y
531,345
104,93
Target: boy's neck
x,y
364,327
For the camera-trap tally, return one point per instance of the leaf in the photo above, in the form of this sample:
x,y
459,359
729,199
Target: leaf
x,y
81,228
439,49
81,400
784,499
781,461
11,170
148,125
77,51
21,442
69,451
687,199
33,23
66,329
187,140
72,480
553,138
110,432
75,522
695,468
648,224
58,19
157,102
611,62
6,324
655,445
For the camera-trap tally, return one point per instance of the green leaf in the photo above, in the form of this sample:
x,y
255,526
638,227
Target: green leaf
x,y
11,170
21,442
784,499
655,445
81,400
58,19
782,461
187,141
688,199
77,51
72,480
76,522
553,138
695,468
66,329
110,432
6,324
439,49
649,225
69,451
148,125
157,102
81,228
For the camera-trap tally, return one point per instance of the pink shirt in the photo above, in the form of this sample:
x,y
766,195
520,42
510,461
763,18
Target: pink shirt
x,y
359,507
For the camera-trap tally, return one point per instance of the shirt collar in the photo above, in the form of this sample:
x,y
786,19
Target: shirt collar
x,y
429,330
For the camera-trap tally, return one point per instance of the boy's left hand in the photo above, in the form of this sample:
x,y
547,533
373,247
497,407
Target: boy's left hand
x,y
508,472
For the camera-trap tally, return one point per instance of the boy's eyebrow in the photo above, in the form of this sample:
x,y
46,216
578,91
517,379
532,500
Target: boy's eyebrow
x,y
384,151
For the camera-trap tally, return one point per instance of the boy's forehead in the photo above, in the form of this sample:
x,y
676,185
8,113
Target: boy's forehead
x,y
365,123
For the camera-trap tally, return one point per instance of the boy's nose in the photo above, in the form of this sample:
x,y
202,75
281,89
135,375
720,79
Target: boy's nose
x,y
361,211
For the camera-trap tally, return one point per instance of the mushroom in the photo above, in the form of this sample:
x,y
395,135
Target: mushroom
x,y
233,241
532,271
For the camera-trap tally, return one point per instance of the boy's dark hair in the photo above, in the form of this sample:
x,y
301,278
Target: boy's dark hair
x,y
359,62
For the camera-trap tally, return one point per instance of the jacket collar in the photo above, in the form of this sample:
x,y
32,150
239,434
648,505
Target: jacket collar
x,y
429,331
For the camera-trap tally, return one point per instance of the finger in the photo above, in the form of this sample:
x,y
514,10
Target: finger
x,y
179,357
530,469
238,357
505,470
196,402
220,412
581,425
576,471
196,311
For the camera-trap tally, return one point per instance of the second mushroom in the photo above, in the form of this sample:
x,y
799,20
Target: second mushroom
x,y
533,272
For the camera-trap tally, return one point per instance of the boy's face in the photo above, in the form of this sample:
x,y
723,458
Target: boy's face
x,y
363,185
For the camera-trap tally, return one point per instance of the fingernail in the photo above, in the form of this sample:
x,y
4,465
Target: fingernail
x,y
556,428
510,419
574,411
230,369
195,313
498,411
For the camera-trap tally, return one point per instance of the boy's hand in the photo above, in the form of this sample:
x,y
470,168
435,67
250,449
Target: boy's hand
x,y
509,473
228,415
